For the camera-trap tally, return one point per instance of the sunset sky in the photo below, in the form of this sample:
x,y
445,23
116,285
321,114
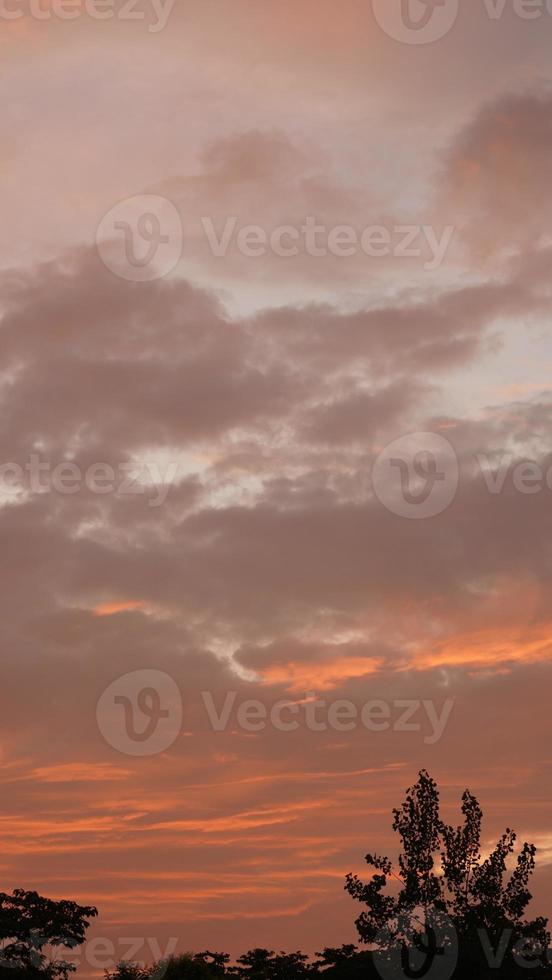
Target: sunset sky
x,y
257,400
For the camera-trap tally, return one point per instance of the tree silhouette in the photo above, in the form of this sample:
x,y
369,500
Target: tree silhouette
x,y
264,964
448,888
29,922
216,961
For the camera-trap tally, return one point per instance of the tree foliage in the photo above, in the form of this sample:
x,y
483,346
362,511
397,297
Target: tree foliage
x,y
29,923
442,868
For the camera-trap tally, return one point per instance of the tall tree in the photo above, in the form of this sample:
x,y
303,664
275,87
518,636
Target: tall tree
x,y
444,877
